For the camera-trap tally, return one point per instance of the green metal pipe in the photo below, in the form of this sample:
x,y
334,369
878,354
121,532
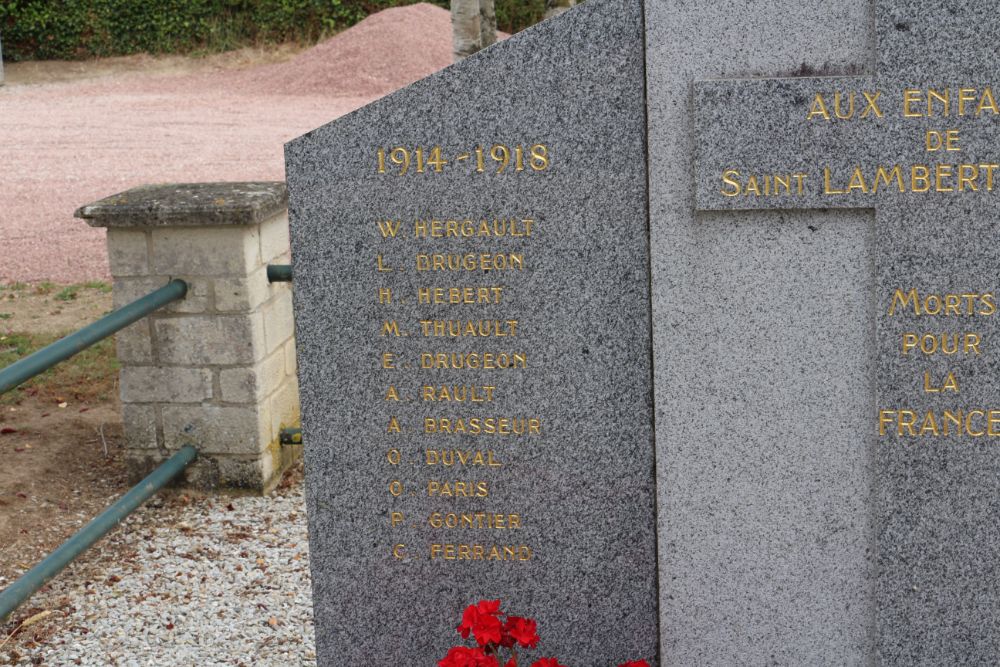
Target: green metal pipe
x,y
64,348
19,591
279,273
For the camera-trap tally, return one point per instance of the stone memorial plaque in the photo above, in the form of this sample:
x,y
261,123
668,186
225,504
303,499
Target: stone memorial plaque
x,y
472,319
916,140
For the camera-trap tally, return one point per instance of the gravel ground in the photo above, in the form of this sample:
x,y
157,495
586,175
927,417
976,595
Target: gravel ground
x,y
185,581
65,144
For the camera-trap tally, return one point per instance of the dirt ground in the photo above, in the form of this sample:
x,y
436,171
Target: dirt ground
x,y
73,133
58,71
62,461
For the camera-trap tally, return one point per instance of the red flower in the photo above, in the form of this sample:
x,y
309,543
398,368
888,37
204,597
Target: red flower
x,y
481,620
521,630
634,663
546,662
460,656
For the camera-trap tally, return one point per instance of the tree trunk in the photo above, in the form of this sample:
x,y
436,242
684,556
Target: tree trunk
x,y
465,28
473,26
557,7
487,23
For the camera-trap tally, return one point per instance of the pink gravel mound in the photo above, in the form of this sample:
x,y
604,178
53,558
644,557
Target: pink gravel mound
x,y
384,52
63,145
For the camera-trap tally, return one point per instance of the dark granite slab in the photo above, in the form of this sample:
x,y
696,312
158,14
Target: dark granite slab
x,y
563,300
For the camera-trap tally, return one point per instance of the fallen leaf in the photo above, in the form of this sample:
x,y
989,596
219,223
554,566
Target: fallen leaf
x,y
273,622
6,430
63,404
37,617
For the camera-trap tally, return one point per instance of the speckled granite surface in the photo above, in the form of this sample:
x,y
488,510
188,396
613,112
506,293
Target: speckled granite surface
x,y
559,344
934,267
764,374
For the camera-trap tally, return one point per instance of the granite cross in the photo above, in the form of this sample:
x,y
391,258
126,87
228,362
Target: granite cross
x,y
916,141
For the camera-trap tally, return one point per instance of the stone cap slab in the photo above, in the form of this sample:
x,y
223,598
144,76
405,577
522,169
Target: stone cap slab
x,y
188,204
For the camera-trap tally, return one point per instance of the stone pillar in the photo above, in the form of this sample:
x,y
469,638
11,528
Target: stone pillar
x,y
216,369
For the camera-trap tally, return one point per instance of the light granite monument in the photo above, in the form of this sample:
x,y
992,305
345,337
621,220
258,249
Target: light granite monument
x,y
877,529
820,318
472,298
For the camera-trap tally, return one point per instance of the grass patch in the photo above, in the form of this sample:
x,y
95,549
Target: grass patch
x,y
45,287
90,376
99,285
70,292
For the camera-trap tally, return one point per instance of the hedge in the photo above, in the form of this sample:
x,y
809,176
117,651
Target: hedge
x,y
73,29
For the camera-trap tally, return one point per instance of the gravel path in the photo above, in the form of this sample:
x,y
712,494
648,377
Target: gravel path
x,y
207,581
65,144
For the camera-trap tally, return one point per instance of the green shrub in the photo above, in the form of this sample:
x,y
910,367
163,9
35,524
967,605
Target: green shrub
x,y
71,29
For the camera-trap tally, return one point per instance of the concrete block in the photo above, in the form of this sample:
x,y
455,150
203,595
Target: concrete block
x,y
216,429
242,293
284,406
291,361
128,252
141,462
139,426
254,474
205,251
134,345
279,321
251,384
196,300
210,340
152,384
127,290
274,238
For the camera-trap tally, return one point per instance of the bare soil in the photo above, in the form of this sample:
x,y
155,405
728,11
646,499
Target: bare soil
x,y
61,456
62,467
27,311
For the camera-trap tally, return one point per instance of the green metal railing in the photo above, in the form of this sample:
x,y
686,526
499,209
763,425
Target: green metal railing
x,y
44,359
15,594
64,348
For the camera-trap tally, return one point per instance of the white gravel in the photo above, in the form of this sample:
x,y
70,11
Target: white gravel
x,y
208,581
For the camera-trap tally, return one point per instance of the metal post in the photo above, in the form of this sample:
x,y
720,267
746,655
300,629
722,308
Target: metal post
x,y
64,348
15,594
